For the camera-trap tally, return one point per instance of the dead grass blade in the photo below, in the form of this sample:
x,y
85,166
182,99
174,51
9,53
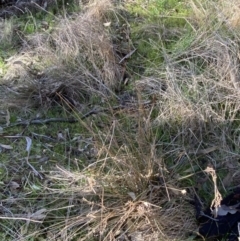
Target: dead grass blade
x,y
216,202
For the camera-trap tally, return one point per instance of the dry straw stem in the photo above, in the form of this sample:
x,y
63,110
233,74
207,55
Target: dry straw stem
x,y
216,202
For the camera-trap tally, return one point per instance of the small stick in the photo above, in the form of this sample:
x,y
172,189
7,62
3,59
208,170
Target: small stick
x,y
127,56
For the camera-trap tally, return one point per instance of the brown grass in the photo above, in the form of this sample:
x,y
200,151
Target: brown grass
x,y
149,158
77,53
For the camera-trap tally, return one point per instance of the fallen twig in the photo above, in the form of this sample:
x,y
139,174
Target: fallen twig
x,y
127,56
47,121
69,120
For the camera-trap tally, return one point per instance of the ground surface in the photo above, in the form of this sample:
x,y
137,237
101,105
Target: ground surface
x,y
110,113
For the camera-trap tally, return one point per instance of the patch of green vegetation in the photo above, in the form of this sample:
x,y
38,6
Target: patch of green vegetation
x,y
158,27
57,141
44,20
16,29
33,23
154,8
162,134
47,149
183,43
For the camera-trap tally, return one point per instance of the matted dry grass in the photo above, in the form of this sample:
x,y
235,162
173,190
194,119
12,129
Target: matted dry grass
x,y
149,160
77,54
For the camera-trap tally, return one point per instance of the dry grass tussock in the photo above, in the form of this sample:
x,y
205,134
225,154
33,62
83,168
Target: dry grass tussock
x,y
226,12
191,92
127,193
197,92
77,55
121,196
199,80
